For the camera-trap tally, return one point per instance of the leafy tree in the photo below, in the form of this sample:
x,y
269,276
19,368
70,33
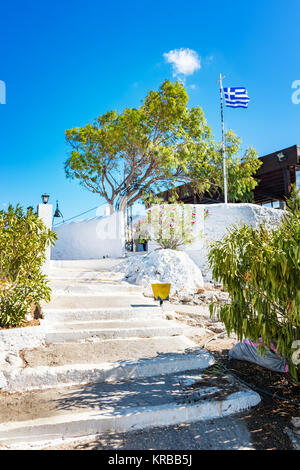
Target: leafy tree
x,y
132,155
260,268
23,242
240,170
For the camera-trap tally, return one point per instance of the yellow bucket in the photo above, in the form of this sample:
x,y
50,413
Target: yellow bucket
x,y
161,291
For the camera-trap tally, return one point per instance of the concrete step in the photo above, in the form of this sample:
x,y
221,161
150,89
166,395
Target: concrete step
x,y
42,377
84,275
71,334
38,418
111,350
63,315
98,301
104,264
114,324
77,287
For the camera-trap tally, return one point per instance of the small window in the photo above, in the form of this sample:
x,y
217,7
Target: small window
x,y
298,178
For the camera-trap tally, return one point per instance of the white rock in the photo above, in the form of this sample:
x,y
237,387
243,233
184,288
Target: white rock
x,y
185,297
14,359
3,381
3,355
217,327
171,266
296,422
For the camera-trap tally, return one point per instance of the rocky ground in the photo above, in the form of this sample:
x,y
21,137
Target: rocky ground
x,y
194,310
211,292
166,266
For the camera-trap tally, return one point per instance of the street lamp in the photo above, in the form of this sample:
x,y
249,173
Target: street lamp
x,y
45,198
57,212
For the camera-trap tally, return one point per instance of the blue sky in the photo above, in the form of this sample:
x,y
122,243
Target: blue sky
x,y
66,62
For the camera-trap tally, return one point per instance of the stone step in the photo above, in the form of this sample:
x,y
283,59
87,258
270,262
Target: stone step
x,y
63,315
41,377
111,350
82,288
83,332
39,418
98,301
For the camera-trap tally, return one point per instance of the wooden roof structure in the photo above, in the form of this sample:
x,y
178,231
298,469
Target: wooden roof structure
x,y
275,177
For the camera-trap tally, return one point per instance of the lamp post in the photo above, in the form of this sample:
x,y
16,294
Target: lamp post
x,y
44,212
45,198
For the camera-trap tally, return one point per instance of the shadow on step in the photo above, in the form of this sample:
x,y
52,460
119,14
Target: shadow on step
x,y
221,434
133,393
182,388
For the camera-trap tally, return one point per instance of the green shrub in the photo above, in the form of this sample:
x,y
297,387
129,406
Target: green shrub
x,y
23,242
260,269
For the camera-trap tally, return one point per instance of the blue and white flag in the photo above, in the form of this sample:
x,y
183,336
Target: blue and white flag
x,y
236,97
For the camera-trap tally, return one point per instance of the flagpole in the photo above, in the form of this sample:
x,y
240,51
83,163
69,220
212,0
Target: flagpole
x,y
223,139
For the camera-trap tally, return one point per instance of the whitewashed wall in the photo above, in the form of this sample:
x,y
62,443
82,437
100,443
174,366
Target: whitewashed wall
x,y
102,236
90,239
221,217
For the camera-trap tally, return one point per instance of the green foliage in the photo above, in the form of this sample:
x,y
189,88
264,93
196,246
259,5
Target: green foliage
x,y
240,171
293,203
260,268
23,242
208,168
132,155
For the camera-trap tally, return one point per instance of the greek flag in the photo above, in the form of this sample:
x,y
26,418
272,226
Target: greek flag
x,y
236,97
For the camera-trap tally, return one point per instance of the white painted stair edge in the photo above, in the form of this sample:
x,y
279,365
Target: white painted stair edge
x,y
56,315
45,431
71,335
43,377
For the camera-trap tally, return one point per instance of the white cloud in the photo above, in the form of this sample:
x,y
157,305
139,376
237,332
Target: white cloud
x,y
184,61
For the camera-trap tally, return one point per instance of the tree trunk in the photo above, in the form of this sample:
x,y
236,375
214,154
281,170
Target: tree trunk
x,y
111,209
123,204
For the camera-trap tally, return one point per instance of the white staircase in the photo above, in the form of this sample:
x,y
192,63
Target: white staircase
x,y
111,362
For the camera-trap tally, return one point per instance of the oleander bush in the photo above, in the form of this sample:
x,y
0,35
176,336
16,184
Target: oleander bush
x,y
23,242
260,268
171,226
